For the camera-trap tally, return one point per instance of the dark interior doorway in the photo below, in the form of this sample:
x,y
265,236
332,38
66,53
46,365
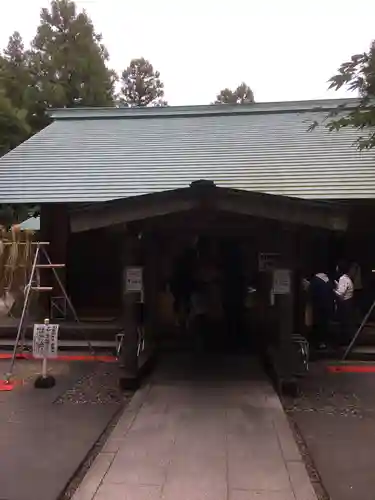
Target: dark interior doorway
x,y
209,285
94,274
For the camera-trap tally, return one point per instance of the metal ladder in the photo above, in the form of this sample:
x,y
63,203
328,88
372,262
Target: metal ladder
x,y
33,285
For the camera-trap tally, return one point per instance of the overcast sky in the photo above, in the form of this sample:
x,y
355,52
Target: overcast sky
x,y
284,49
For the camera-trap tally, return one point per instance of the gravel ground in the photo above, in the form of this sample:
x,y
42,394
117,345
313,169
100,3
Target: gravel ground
x,y
344,394
333,418
100,386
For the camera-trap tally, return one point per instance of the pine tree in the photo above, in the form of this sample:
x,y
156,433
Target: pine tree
x,y
141,85
13,125
68,60
14,72
241,95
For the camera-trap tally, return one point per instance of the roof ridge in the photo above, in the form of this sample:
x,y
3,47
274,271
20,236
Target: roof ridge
x,y
202,110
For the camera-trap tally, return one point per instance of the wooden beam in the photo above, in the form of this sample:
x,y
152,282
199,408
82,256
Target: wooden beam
x,y
111,216
262,206
293,213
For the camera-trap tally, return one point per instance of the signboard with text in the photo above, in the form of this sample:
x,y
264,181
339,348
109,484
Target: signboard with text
x,y
133,279
281,282
45,341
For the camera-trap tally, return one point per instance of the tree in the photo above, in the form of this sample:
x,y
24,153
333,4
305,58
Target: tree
x,y
357,75
15,77
14,128
65,67
68,60
141,85
15,213
241,95
14,82
15,112
17,82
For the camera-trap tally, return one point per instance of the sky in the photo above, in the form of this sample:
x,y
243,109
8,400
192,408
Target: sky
x,y
283,49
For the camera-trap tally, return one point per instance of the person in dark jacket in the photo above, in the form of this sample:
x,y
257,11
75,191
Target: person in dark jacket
x,y
322,299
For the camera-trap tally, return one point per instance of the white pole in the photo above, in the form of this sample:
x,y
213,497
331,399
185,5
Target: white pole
x,y
44,367
44,362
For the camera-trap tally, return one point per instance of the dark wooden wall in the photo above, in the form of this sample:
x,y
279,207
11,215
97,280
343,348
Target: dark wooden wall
x,y
94,273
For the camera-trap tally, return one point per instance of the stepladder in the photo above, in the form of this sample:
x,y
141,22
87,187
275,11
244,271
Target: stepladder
x,y
41,261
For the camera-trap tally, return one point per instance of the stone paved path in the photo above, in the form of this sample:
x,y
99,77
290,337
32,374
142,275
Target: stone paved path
x,y
201,431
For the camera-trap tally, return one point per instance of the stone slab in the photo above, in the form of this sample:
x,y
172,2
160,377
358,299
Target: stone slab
x,y
206,438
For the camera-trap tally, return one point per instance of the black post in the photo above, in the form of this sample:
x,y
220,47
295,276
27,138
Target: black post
x,y
129,377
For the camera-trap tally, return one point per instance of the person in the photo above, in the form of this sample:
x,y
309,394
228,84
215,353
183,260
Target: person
x,y
205,307
322,301
344,292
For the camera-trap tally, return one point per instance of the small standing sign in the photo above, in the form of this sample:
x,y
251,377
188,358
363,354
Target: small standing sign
x,y
133,279
45,346
45,341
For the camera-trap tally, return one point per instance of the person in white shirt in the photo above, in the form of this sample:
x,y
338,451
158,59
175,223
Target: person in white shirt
x,y
344,292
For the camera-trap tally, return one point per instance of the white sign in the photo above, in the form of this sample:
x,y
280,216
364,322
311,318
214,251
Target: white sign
x,y
281,282
45,341
134,279
267,261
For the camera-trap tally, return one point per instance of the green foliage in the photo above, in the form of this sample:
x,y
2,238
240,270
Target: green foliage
x,y
357,75
13,130
18,83
241,95
65,67
16,213
13,125
68,60
141,85
14,75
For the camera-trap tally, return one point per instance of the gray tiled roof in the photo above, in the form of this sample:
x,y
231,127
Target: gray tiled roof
x,y
103,154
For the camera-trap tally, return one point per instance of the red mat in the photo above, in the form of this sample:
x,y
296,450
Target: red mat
x,y
7,355
6,386
102,358
351,369
9,386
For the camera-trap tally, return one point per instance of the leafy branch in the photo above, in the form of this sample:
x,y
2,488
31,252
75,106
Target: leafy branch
x,y
357,75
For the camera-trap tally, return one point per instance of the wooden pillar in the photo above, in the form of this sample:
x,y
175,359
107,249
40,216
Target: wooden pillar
x,y
284,304
54,228
299,275
129,367
151,263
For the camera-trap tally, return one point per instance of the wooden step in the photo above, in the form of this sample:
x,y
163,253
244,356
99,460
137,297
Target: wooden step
x,y
34,243
50,266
